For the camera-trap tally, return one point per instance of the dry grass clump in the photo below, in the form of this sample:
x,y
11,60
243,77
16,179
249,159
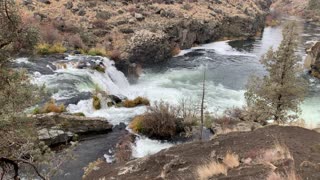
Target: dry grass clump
x,y
136,102
49,107
136,124
97,52
231,160
44,48
278,152
96,103
211,169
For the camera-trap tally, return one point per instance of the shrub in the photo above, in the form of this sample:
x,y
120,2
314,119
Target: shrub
x,y
57,48
208,120
49,34
49,107
97,52
136,124
96,103
43,48
36,111
161,121
136,102
114,54
76,42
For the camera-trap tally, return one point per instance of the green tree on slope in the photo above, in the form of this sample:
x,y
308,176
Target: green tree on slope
x,y
278,95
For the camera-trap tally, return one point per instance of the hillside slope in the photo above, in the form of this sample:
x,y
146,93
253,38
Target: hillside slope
x,y
309,9
143,31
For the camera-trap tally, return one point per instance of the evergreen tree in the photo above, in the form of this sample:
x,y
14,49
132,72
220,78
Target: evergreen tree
x,y
278,95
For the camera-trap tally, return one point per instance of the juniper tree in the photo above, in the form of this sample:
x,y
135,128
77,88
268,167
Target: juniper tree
x,y
278,95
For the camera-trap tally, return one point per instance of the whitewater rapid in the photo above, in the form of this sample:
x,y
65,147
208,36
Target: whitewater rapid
x,y
228,65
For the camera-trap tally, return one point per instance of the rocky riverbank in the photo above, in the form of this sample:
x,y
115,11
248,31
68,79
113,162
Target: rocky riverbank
x,y
55,129
240,155
143,32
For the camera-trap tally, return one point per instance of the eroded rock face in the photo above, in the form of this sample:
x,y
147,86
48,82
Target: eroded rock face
x,y
59,128
253,149
156,42
313,59
146,46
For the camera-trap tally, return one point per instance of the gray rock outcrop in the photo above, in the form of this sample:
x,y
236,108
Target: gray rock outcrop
x,y
58,128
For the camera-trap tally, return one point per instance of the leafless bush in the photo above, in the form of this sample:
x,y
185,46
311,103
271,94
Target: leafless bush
x,y
162,121
76,42
49,34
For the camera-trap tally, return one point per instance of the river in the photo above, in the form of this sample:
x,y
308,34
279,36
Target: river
x,y
228,65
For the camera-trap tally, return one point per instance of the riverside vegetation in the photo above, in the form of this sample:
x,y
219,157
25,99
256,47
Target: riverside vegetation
x,y
21,152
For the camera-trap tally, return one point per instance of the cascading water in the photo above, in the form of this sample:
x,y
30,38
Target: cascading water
x,y
75,76
228,65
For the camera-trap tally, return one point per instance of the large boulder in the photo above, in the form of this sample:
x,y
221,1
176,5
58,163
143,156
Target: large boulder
x,y
58,128
313,59
148,47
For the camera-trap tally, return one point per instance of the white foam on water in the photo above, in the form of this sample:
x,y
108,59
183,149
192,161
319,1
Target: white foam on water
x,y
176,85
145,146
184,52
112,81
306,35
109,158
223,48
114,115
311,111
23,60
220,47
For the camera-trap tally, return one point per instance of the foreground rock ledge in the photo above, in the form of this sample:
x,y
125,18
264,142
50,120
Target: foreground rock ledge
x,y
181,161
59,128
